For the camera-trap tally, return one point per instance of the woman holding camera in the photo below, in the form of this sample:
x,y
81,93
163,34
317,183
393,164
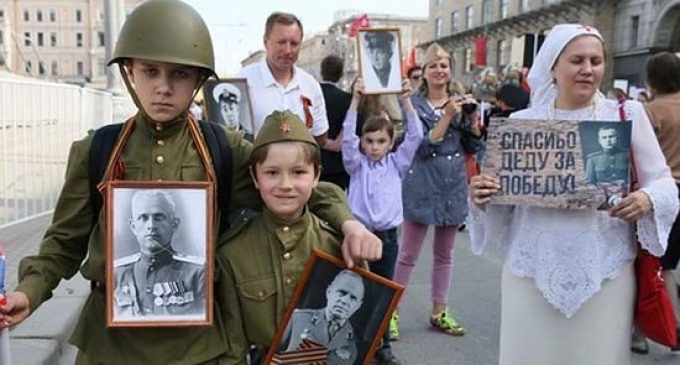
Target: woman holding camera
x,y
435,188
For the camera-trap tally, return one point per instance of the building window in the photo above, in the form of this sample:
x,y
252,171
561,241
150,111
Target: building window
x,y
101,38
41,68
523,6
28,67
502,53
469,17
53,39
79,39
503,9
101,67
79,68
27,39
55,68
53,15
467,60
634,30
2,14
79,15
2,40
38,15
437,28
486,11
41,39
454,22
27,16
438,2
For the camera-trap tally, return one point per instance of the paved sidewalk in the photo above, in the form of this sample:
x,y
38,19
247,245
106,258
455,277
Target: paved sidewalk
x,y
43,337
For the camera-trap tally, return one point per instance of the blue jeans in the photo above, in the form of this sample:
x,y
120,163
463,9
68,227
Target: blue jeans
x,y
385,266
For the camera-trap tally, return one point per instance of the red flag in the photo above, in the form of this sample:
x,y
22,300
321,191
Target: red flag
x,y
409,60
360,22
480,50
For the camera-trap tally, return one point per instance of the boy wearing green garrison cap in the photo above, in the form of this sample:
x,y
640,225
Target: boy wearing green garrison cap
x,y
264,257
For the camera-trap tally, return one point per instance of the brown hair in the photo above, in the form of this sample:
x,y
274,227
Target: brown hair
x,y
278,17
663,73
378,123
310,152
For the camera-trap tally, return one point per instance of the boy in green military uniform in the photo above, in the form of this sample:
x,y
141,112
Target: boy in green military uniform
x,y
165,54
265,255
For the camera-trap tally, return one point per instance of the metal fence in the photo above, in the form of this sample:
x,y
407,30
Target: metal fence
x,y
38,122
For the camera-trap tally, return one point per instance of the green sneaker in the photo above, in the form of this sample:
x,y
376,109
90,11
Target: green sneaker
x,y
446,323
394,327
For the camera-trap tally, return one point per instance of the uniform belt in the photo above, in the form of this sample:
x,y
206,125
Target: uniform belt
x,y
95,285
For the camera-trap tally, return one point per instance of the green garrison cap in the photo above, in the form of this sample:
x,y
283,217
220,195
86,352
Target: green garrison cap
x,y
166,31
283,126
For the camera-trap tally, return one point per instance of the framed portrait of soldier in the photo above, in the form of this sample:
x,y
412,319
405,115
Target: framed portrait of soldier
x,y
227,101
159,253
379,51
336,315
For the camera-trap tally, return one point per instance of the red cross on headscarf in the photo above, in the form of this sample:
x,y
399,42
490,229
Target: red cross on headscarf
x,y
285,127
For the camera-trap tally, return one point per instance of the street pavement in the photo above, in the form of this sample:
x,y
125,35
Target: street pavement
x,y
474,298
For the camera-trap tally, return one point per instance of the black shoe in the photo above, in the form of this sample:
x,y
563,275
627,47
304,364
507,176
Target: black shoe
x,y
639,346
385,357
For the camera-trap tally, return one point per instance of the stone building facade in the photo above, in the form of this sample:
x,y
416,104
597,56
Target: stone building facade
x,y
633,29
58,39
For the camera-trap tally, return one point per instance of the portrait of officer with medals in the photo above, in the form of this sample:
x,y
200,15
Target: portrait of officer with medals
x,y
158,281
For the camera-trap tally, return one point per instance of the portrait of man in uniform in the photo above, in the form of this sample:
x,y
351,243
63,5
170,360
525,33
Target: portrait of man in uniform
x,y
380,60
337,316
228,103
158,272
330,326
609,164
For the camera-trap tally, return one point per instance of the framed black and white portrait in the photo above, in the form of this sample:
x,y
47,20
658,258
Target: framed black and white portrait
x,y
379,51
159,260
227,101
336,316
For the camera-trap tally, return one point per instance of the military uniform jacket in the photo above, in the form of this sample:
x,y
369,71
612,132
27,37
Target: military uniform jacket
x,y
435,187
312,324
158,285
153,152
607,166
260,266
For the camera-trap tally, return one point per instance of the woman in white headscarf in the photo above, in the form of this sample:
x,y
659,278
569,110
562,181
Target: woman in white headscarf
x,y
568,285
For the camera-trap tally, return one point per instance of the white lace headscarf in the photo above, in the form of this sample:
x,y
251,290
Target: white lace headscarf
x,y
543,88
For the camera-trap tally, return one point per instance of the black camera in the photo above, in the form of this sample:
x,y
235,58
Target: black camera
x,y
469,108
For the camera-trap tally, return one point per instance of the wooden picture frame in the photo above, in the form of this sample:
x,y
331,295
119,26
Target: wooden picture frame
x,y
379,54
303,335
220,95
159,253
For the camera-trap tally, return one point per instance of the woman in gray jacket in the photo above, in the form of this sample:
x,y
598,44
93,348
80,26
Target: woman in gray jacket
x,y
435,188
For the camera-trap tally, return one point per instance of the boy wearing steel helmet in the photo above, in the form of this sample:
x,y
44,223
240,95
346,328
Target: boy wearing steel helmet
x,y
162,69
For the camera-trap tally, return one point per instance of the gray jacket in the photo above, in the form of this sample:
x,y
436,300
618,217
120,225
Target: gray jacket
x,y
435,187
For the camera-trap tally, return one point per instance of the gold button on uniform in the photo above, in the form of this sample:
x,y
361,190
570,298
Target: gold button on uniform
x,y
287,256
260,293
289,281
286,229
160,142
160,159
159,127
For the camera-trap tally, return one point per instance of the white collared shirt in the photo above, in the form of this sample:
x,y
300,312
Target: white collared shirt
x,y
268,95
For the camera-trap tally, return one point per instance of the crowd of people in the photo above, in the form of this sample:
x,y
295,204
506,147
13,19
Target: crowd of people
x,y
362,177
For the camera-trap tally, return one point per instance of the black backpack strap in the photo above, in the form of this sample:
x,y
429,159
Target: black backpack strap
x,y
103,141
220,153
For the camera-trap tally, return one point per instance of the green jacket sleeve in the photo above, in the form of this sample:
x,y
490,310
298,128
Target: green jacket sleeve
x,y
328,201
230,309
65,243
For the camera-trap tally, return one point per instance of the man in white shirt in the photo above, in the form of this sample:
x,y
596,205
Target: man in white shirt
x,y
276,84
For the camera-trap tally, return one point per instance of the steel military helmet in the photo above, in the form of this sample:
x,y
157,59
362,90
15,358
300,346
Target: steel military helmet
x,y
147,34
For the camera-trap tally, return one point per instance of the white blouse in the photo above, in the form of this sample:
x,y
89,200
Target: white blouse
x,y
569,253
